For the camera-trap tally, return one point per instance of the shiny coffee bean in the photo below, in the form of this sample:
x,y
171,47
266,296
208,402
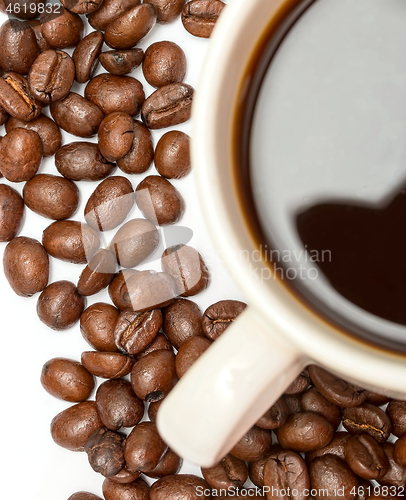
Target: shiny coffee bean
x,y
300,384
71,241
72,427
130,28
16,98
26,266
189,352
137,490
51,196
86,54
109,203
169,464
396,410
121,62
20,154
275,416
11,213
377,399
396,473
109,11
98,274
200,16
168,106
115,93
110,365
172,155
135,331
253,445
294,402
230,472
67,379
97,324
335,447
153,410
82,161
256,468
60,306
117,404
104,450
335,389
181,487
84,495
119,286
167,10
331,477
368,418
218,316
159,342
82,6
141,154
77,115
164,63
181,320
313,400
399,451
125,476
115,135
18,46
51,76
36,25
305,431
365,457
154,375
143,448
62,29
46,128
159,201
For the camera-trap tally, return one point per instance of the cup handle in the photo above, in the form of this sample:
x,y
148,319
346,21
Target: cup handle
x,y
228,389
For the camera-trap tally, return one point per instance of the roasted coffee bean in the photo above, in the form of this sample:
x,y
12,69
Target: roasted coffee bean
x,y
118,286
181,487
159,342
153,410
256,468
86,54
189,352
313,400
164,63
159,201
107,364
4,116
168,106
287,471
60,305
377,399
46,128
396,473
153,376
335,447
51,76
305,431
200,16
230,472
11,213
331,477
16,97
20,154
72,427
300,384
117,404
294,402
51,196
335,389
146,290
67,379
367,418
275,416
172,155
121,62
253,445
144,448
82,161
135,331
26,266
181,320
36,25
125,476
104,450
82,6
140,156
169,464
130,28
23,9
109,11
115,135
134,242
109,203
77,115
71,241
187,268
396,410
218,316
167,10
97,325
399,451
84,495
18,46
115,93
365,457
62,29
98,274
137,490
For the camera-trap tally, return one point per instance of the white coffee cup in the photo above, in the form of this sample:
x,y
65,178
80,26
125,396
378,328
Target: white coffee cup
x,y
248,368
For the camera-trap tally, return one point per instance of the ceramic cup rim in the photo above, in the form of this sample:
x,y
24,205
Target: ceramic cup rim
x,y
237,34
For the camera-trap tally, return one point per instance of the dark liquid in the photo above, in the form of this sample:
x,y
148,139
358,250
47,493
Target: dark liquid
x,y
367,243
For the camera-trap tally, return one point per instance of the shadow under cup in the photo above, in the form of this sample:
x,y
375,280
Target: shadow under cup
x,y
320,162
